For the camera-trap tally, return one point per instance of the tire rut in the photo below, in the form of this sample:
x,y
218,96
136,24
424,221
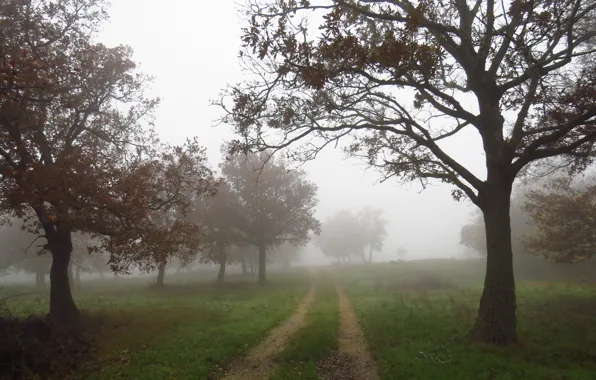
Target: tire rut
x,y
353,359
259,363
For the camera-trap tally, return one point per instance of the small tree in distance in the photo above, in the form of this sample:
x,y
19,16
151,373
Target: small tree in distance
x,y
564,215
374,225
509,71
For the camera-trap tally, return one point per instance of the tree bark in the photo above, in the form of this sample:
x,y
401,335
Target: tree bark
x,y
71,278
496,322
262,264
63,309
161,273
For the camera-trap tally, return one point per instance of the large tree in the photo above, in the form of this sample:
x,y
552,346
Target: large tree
x,y
77,151
276,205
403,77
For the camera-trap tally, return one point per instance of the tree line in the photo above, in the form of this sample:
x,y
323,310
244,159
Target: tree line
x,y
83,170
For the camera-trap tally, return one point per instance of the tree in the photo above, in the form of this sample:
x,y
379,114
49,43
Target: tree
x,y
285,253
219,217
77,150
342,236
276,205
563,214
373,226
401,78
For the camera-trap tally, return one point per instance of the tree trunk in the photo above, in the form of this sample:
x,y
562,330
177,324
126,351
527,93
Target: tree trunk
x,y
370,252
40,278
63,309
222,270
496,323
161,273
244,270
262,264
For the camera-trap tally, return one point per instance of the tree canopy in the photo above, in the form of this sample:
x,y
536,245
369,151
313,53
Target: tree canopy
x,y
77,148
275,205
346,234
563,214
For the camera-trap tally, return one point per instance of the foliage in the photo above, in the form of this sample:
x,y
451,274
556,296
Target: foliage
x,y
373,224
347,235
77,147
563,214
219,217
342,236
276,205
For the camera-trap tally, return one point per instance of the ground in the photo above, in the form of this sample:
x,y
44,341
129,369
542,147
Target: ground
x,y
404,320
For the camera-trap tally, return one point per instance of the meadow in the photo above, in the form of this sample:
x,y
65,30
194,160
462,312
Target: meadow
x,y
411,318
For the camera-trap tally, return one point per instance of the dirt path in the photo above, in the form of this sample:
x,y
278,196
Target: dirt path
x,y
259,363
353,361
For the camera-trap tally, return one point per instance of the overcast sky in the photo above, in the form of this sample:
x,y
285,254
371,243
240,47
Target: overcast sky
x,y
191,47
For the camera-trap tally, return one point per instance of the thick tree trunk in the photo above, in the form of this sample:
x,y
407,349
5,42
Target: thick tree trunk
x,y
262,264
161,273
244,270
496,323
222,270
63,309
370,252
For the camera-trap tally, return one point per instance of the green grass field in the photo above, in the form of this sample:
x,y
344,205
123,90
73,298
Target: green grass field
x,y
414,315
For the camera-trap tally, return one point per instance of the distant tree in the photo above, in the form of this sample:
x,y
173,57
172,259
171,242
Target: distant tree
x,y
276,205
219,216
286,253
373,226
77,150
521,74
564,215
342,237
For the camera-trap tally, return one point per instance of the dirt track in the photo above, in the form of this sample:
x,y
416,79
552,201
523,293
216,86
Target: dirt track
x,y
353,359
259,363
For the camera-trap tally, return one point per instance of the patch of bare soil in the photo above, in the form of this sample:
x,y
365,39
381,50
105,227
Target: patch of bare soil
x,y
259,363
353,361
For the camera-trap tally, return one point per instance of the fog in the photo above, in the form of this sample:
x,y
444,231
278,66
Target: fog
x,y
192,50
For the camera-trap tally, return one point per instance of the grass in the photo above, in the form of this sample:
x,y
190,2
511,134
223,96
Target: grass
x,y
184,331
415,316
415,320
313,343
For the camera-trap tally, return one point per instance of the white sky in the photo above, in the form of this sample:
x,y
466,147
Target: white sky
x,y
191,47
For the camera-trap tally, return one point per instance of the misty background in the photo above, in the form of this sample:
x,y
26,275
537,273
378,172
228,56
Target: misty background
x,y
191,49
